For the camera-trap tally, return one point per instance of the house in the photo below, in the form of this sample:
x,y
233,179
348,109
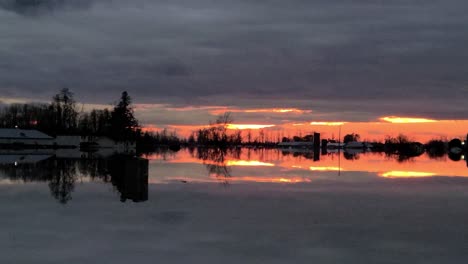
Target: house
x,y
12,137
32,139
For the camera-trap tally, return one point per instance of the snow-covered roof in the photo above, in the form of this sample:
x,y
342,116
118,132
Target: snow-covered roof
x,y
14,133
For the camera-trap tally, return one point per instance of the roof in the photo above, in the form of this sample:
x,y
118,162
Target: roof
x,y
13,133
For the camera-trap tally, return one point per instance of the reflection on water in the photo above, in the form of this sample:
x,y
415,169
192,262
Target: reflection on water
x,y
295,166
129,175
216,162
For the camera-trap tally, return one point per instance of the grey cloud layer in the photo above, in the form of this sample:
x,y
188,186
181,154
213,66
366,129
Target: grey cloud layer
x,y
339,56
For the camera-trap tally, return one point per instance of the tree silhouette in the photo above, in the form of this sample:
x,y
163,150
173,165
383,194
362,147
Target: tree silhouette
x,y
351,137
124,124
64,111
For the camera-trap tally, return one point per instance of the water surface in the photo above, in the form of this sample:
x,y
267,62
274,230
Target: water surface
x,y
241,206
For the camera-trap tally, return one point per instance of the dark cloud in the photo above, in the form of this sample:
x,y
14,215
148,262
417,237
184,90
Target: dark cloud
x,y
354,59
38,7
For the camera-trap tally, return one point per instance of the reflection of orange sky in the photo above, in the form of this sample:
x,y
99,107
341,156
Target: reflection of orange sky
x,y
316,168
261,179
248,163
373,163
379,164
406,174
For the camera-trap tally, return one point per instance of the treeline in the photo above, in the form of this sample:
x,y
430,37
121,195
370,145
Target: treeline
x,y
61,117
217,134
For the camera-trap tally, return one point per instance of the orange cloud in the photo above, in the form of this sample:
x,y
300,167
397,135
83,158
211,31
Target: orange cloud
x,y
262,110
327,123
12,100
221,109
247,126
150,128
147,107
406,120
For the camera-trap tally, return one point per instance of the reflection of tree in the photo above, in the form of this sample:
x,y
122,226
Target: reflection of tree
x,y
59,173
307,155
128,174
350,156
455,156
62,178
23,172
401,157
215,161
95,168
162,153
402,148
436,149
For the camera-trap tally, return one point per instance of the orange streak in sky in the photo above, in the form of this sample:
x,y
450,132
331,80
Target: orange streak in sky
x,y
405,120
247,126
327,123
260,110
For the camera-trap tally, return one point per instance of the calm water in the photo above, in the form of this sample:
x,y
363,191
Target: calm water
x,y
247,205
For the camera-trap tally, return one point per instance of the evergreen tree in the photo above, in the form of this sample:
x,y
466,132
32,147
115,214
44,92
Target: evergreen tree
x,y
124,124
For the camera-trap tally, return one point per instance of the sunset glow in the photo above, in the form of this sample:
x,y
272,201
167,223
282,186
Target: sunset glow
x,y
324,168
327,123
234,131
406,174
275,110
260,110
248,163
262,179
247,126
405,120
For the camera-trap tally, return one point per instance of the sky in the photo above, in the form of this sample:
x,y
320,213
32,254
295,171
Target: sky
x,y
273,63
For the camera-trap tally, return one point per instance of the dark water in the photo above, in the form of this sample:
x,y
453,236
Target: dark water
x,y
239,206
